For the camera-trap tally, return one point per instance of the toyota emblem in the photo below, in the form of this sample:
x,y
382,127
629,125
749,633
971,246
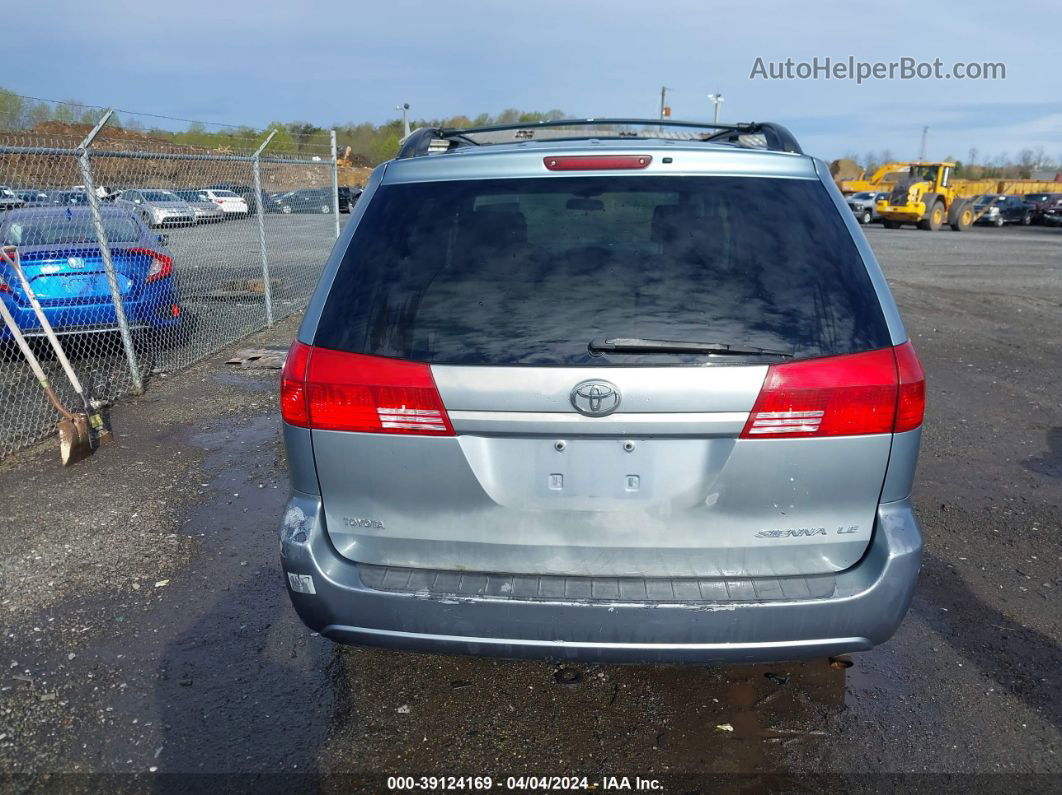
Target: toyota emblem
x,y
595,398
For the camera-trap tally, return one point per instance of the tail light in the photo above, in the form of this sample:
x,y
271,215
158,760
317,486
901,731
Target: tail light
x,y
5,287
161,265
879,391
336,391
911,403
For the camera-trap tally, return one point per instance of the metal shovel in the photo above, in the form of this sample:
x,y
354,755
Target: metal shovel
x,y
91,418
75,438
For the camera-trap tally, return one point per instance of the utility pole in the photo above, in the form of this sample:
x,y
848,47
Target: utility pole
x,y
663,101
922,149
404,107
717,100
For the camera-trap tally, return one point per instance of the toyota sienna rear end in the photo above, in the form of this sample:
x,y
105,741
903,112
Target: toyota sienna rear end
x,y
610,398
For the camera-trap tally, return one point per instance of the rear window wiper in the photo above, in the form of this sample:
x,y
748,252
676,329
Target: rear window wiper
x,y
640,345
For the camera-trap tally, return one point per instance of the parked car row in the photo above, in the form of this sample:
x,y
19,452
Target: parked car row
x,y
11,199
184,207
999,209
169,208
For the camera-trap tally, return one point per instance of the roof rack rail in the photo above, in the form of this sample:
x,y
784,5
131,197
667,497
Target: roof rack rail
x,y
429,140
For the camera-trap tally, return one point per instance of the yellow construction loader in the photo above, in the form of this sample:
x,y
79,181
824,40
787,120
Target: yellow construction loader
x,y
928,197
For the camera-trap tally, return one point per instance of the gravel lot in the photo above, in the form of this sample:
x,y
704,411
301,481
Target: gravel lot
x,y
146,629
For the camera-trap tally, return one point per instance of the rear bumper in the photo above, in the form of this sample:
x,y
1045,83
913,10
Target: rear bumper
x,y
151,309
864,608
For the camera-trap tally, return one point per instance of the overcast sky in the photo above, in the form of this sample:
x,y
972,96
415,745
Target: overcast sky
x,y
244,62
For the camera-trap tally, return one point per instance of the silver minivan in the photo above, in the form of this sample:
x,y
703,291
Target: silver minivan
x,y
603,390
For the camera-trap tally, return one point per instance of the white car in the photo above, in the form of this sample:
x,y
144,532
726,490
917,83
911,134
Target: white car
x,y
102,191
227,201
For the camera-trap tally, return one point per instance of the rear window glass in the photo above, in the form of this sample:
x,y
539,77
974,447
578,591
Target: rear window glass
x,y
59,229
530,271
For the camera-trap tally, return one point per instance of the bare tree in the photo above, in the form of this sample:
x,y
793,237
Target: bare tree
x,y
1027,160
1041,159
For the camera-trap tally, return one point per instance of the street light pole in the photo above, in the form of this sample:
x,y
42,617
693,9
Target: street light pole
x,y
717,100
404,107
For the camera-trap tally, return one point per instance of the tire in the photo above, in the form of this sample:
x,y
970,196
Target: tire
x,y
286,209
1026,219
890,224
865,217
934,218
325,209
962,217
998,222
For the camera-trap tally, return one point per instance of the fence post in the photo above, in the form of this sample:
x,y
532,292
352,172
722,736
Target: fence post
x,y
335,182
105,252
267,285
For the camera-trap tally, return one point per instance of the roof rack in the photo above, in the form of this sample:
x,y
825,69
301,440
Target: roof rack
x,y
431,140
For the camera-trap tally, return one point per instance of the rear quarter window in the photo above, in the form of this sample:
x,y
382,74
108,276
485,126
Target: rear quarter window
x,y
529,271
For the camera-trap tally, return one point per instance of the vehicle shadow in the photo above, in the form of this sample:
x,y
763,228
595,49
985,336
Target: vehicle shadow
x,y
1017,658
402,711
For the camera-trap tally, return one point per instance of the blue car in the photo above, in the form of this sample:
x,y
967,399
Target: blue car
x,y
62,262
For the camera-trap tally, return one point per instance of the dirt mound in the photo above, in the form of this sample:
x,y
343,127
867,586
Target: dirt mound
x,y
79,131
845,169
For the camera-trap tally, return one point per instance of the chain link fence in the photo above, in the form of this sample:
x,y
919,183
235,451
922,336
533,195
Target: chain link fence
x,y
147,256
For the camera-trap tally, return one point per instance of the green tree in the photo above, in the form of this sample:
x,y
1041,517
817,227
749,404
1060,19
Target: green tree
x,y
68,111
37,113
509,116
384,147
12,111
282,142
